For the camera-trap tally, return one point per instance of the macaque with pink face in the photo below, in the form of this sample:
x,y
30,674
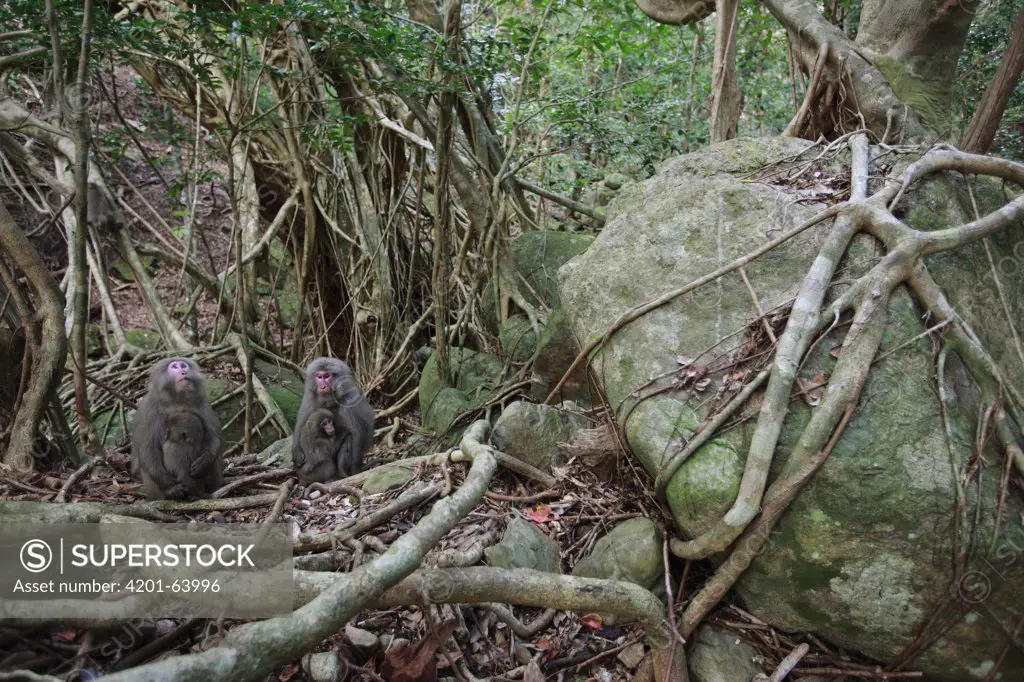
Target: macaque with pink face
x,y
331,397
174,422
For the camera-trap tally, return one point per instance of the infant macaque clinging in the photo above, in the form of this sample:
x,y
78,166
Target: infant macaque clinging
x,y
335,424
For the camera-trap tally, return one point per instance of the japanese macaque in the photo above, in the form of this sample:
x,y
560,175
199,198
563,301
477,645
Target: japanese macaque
x,y
176,398
331,388
320,443
182,445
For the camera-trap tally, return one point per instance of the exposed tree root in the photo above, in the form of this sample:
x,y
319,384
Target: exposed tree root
x,y
750,520
521,586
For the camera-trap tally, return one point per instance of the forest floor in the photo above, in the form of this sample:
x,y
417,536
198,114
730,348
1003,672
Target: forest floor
x,y
585,504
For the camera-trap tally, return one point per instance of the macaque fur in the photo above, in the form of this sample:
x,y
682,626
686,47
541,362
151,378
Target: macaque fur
x,y
183,440
175,398
331,388
320,442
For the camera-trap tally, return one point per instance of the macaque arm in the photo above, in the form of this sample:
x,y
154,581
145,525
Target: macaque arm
x,y
345,455
211,444
152,448
298,456
202,462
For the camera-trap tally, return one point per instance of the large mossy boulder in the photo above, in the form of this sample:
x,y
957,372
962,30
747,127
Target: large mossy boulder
x,y
475,380
864,555
517,338
536,257
534,433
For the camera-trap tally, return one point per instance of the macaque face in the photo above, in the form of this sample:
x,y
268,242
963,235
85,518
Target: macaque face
x,y
328,427
324,382
180,372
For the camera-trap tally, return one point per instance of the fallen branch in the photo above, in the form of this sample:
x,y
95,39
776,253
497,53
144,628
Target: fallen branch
x,y
562,201
520,586
81,471
410,499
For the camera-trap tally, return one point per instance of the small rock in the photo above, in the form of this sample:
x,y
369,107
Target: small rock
x,y
614,181
522,655
361,640
632,655
324,667
279,452
718,656
525,546
386,478
631,551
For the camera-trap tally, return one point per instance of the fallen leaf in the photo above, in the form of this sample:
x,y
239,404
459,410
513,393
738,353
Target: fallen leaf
x,y
409,662
533,672
814,388
542,514
836,350
593,620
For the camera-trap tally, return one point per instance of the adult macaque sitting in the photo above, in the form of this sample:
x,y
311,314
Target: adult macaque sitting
x,y
331,397
175,421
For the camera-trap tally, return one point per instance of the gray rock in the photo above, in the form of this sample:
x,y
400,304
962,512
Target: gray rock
x,y
531,432
475,379
614,181
524,545
279,453
631,551
446,405
718,656
324,667
862,555
537,256
386,478
361,640
632,655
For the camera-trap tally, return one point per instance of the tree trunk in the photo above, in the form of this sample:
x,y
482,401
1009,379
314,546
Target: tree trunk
x,y
916,44
989,113
49,359
725,91
80,302
443,146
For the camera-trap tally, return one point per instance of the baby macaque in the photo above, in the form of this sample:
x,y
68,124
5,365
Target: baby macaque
x,y
320,443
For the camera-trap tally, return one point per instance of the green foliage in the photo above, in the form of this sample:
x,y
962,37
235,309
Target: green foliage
x,y
587,86
986,43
